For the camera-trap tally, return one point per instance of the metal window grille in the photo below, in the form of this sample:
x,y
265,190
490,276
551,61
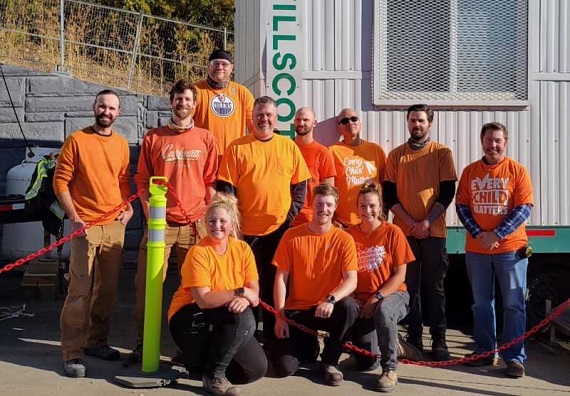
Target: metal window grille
x,y
450,51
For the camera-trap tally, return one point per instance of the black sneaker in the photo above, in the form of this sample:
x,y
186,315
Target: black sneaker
x,y
104,352
439,350
134,357
74,368
416,342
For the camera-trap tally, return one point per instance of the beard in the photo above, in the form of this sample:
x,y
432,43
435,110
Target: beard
x,y
103,122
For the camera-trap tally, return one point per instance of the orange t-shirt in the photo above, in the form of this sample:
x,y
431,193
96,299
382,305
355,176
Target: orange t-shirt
x,y
95,171
379,253
315,263
417,174
188,159
492,192
263,172
321,165
204,267
355,165
225,112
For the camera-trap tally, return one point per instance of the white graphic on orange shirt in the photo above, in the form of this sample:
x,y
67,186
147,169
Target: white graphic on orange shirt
x,y
358,171
171,154
370,258
490,195
222,105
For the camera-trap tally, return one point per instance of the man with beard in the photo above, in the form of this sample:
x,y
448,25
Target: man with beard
x,y
187,156
91,179
223,107
316,272
357,162
318,159
418,187
268,175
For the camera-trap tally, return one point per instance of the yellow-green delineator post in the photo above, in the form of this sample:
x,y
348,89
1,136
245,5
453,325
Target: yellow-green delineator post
x,y
154,271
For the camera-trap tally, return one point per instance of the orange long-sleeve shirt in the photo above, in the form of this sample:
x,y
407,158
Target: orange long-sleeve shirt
x,y
95,170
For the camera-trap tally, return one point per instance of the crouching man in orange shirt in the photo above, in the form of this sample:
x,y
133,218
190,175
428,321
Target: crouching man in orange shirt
x,y
316,269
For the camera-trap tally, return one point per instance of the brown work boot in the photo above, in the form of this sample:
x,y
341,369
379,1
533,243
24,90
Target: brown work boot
x,y
515,369
407,350
387,381
219,386
333,377
490,360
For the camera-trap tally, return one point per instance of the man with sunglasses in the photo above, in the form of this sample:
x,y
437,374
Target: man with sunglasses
x,y
357,161
223,107
419,186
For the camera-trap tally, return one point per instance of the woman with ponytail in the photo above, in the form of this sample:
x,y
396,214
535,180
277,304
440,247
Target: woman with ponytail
x,y
210,317
383,253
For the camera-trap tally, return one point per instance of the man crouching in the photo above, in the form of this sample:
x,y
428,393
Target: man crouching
x,y
316,269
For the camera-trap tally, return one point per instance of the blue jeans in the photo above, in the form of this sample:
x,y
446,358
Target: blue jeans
x,y
510,270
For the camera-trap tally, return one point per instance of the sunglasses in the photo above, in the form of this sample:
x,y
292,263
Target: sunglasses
x,y
346,120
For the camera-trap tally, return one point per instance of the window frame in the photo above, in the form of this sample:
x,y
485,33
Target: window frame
x,y
380,69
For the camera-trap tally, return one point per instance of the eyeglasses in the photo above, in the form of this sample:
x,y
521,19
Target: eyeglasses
x,y
222,64
346,120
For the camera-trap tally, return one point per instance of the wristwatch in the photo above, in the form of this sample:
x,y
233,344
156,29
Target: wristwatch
x,y
239,292
330,299
379,296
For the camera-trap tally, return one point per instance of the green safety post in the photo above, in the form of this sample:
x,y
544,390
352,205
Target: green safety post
x,y
154,271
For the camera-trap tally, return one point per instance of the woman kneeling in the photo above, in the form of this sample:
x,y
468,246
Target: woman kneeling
x,y
210,317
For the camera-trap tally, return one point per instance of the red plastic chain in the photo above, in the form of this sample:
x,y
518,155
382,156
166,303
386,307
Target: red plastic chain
x,y
557,312
176,198
41,252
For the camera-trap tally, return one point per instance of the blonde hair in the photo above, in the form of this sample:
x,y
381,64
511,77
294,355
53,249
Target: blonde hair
x,y
229,203
373,188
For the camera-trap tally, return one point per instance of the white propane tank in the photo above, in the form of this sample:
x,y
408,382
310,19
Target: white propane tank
x,y
21,239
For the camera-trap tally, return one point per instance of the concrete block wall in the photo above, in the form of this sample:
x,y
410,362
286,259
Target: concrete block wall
x,y
49,107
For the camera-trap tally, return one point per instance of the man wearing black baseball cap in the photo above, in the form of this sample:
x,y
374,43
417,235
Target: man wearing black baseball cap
x,y
224,107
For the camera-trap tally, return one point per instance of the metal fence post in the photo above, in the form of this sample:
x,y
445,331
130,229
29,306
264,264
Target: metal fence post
x,y
62,33
225,38
135,52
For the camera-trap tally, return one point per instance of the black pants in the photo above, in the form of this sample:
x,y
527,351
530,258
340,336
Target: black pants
x,y
288,354
219,343
427,273
264,248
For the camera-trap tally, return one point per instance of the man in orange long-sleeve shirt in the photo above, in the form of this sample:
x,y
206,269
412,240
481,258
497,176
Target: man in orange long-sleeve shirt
x,y
187,156
90,180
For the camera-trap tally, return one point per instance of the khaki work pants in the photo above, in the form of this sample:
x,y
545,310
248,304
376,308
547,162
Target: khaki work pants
x,y
95,262
182,237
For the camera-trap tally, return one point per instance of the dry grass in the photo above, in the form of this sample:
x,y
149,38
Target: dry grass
x,y
100,43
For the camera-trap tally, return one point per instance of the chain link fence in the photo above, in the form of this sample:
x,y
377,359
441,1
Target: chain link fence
x,y
109,46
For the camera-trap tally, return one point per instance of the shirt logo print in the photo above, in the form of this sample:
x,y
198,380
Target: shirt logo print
x,y
370,258
222,105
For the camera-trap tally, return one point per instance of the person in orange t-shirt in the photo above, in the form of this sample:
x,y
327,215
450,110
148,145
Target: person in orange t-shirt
x,y
223,107
268,175
419,186
90,180
210,316
318,158
316,272
187,156
383,254
494,200
357,162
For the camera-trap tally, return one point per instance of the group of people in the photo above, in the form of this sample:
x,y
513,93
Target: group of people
x,y
258,216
